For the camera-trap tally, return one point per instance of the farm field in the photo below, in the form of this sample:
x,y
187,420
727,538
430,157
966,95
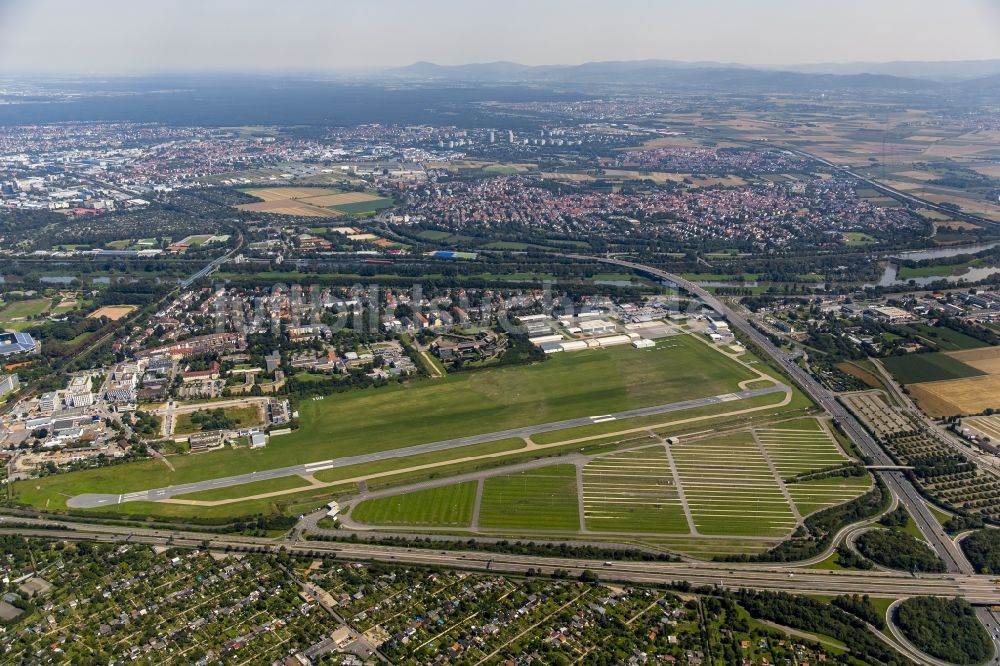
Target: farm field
x,y
313,201
973,391
632,491
542,499
446,506
730,488
917,368
957,396
986,359
988,425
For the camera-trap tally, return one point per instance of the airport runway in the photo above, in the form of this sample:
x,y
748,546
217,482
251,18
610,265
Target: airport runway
x,y
95,500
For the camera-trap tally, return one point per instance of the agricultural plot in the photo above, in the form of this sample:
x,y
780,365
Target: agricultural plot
x,y
446,506
633,491
730,488
876,414
799,447
988,425
288,207
313,201
811,496
540,499
917,368
955,397
968,394
986,359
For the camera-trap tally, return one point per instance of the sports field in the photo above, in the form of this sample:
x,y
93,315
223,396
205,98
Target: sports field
x,y
565,386
445,506
112,312
539,499
18,310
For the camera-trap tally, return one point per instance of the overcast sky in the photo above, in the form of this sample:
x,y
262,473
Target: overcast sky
x,y
112,36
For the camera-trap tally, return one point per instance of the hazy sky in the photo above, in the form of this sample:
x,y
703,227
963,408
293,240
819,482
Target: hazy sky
x,y
255,35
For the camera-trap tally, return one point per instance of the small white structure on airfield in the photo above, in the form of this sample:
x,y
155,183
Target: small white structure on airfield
x,y
333,508
258,440
642,343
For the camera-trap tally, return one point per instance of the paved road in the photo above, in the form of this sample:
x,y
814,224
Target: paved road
x,y
976,589
94,500
896,481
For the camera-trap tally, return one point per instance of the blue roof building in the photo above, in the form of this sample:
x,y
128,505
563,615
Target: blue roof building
x,y
16,343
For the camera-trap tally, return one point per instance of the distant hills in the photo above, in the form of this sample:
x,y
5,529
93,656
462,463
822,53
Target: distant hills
x,y
963,76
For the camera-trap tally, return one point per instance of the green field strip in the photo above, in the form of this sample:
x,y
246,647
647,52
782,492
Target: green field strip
x,y
248,489
542,498
445,506
808,425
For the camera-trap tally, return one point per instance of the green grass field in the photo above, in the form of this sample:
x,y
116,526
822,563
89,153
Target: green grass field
x,y
945,338
799,446
858,239
242,416
447,506
540,499
405,462
292,504
248,489
23,309
916,368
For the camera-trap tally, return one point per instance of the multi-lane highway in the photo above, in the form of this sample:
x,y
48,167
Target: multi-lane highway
x,y
896,481
976,589
95,500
